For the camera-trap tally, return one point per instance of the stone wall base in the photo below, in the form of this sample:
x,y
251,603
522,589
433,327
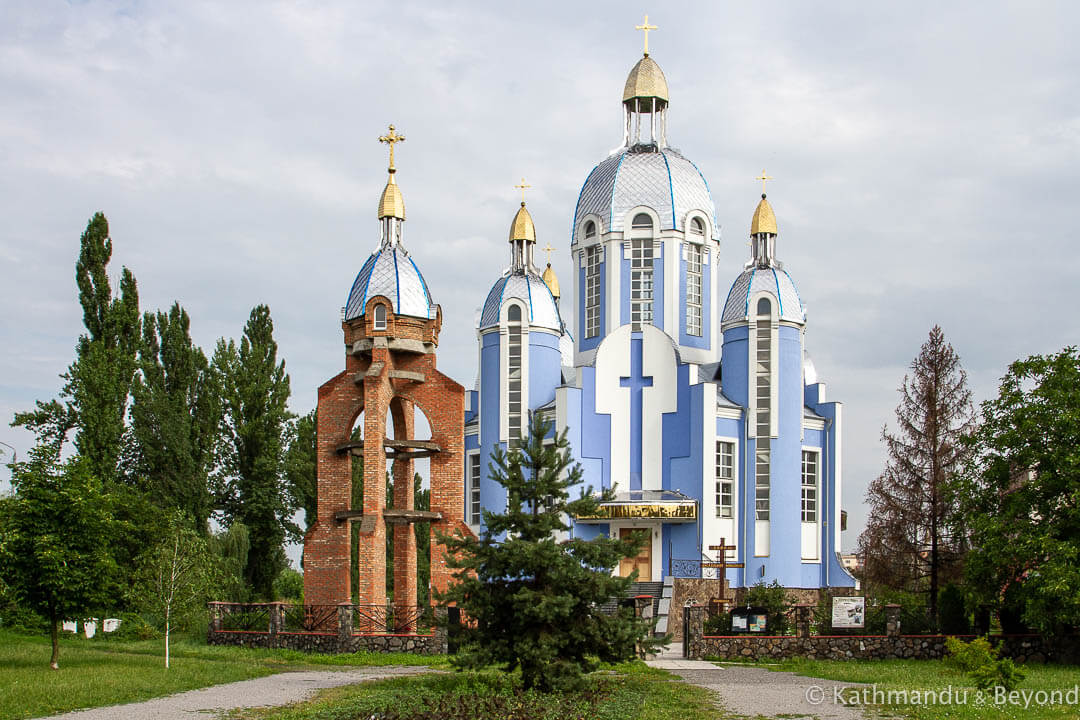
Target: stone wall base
x,y
331,643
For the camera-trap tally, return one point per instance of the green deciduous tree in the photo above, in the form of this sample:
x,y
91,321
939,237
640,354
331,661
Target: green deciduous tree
x,y
56,530
175,417
300,466
99,381
535,598
1020,494
251,486
175,577
909,542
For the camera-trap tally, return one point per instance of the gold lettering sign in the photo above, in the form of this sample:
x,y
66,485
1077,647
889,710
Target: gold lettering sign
x,y
670,511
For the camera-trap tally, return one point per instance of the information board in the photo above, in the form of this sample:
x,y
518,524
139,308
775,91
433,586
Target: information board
x,y
848,612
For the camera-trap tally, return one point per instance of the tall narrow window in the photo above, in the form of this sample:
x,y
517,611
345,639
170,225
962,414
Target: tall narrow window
x,y
725,472
474,489
513,410
693,288
809,486
763,396
378,322
592,290
641,270
590,230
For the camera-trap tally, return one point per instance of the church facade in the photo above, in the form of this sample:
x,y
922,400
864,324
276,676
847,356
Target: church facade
x,y
685,388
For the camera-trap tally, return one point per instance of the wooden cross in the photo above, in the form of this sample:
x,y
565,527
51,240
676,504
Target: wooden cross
x,y
722,567
548,250
522,187
646,28
390,139
763,177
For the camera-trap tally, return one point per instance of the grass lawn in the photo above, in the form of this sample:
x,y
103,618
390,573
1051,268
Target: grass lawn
x,y
101,672
934,675
629,692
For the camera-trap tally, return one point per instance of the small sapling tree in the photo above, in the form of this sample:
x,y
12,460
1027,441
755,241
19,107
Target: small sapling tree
x,y
176,576
534,598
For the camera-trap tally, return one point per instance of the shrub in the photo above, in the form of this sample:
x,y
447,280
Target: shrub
x,y
1002,673
289,585
719,624
773,597
952,613
968,656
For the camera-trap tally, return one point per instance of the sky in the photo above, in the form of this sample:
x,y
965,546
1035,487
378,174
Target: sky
x,y
925,159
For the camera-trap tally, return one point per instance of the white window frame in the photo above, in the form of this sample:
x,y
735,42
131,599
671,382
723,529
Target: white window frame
x,y
474,474
729,481
695,255
378,319
593,265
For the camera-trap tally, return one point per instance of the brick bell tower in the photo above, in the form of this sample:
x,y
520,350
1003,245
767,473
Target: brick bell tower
x,y
391,331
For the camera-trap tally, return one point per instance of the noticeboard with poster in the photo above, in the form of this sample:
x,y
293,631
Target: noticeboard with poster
x,y
754,620
848,612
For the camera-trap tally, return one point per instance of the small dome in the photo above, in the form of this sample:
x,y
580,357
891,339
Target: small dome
x,y
390,272
770,280
392,203
551,281
532,291
522,227
663,180
646,80
764,220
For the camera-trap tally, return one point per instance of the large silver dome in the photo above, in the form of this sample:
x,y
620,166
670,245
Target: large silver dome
x,y
390,272
663,180
771,280
529,288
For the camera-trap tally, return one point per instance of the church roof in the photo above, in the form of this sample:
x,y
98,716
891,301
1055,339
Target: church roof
x,y
529,288
764,220
390,272
663,180
771,280
646,80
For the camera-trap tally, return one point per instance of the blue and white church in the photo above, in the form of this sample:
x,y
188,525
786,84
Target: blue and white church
x,y
694,401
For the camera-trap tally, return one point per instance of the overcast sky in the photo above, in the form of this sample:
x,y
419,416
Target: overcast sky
x,y
925,157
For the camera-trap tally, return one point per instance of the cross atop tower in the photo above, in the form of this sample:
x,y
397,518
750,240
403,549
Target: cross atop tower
x,y
548,250
646,27
390,139
523,187
763,178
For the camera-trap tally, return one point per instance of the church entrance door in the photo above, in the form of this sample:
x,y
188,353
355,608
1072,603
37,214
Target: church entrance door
x,y
643,562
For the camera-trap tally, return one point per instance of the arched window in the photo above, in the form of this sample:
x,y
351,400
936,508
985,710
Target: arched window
x,y
641,270
378,321
590,230
695,255
763,419
513,378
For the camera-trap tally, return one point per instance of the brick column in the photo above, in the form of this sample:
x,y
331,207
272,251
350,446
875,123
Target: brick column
x,y
695,646
404,536
372,545
892,621
215,616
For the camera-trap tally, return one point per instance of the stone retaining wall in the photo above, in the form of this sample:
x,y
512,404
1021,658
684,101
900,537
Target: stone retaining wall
x,y
433,644
1022,648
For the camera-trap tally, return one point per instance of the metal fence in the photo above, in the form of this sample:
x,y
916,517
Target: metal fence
x,y
372,619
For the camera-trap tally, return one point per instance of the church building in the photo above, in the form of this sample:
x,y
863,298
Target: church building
x,y
685,387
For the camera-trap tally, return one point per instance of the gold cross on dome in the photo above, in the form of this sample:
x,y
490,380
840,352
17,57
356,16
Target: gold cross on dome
x,y
763,178
523,187
548,250
646,28
390,139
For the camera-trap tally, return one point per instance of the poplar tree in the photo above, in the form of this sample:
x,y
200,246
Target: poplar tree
x,y
99,381
300,466
250,483
535,598
175,415
911,541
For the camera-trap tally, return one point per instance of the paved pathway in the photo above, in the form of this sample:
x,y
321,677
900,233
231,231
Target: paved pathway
x,y
756,692
280,689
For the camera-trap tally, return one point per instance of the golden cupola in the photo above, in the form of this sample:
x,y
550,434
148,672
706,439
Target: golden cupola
x,y
552,281
522,227
764,220
646,81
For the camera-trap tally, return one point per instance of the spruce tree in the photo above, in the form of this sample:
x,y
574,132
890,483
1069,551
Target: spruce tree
x,y
533,598
175,415
250,482
909,542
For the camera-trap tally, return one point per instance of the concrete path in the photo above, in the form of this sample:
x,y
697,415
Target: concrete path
x,y
280,689
753,692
